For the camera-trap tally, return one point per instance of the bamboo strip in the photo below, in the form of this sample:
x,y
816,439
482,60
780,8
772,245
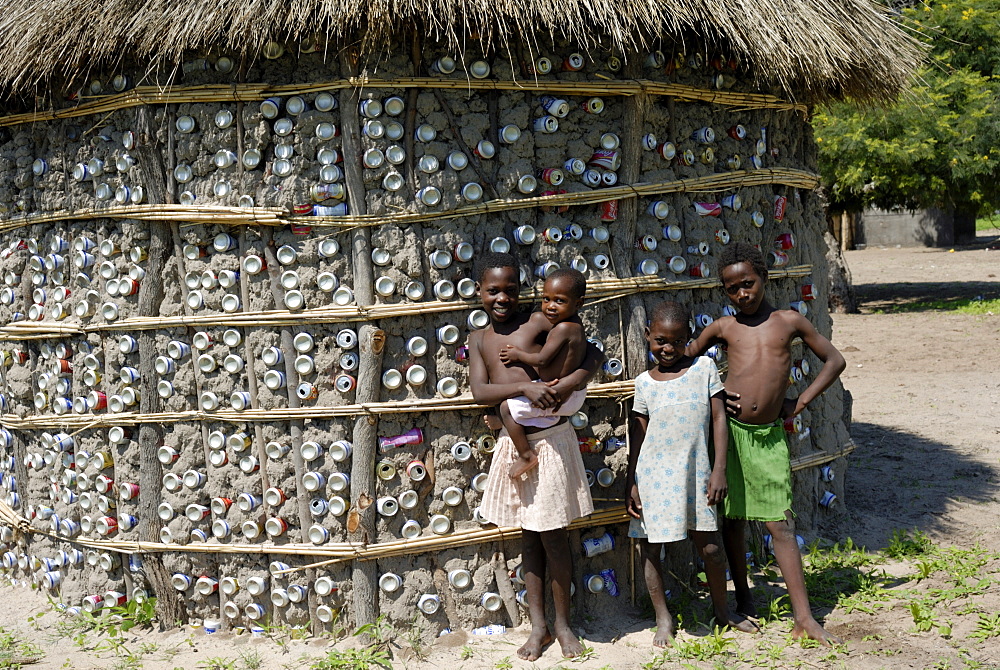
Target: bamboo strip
x,y
277,217
207,93
612,288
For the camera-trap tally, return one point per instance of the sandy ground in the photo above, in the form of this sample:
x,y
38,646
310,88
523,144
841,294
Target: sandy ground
x,y
927,425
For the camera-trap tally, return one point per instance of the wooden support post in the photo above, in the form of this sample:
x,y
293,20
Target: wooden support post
x,y
370,343
170,605
634,309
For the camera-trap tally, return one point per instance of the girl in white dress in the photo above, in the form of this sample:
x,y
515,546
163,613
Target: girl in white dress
x,y
672,488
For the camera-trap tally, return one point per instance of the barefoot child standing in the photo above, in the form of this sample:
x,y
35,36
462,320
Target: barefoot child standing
x,y
551,495
759,340
563,352
671,487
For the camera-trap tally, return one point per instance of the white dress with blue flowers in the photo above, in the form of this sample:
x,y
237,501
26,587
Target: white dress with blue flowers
x,y
673,467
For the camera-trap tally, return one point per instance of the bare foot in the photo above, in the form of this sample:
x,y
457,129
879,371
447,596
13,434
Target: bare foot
x,y
523,464
734,620
570,643
532,649
664,636
745,604
813,631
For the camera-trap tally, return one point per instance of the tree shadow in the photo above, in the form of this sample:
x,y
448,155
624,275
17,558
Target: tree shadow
x,y
915,296
899,480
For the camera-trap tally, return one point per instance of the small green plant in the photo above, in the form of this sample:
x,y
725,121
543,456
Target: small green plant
x,y
414,638
587,654
906,544
776,608
703,649
986,627
218,663
923,616
14,651
251,659
503,664
466,653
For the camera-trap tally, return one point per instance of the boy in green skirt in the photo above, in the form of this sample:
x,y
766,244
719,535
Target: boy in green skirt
x,y
758,341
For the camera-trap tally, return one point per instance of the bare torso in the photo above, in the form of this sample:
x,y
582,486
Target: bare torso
x,y
515,331
568,335
760,358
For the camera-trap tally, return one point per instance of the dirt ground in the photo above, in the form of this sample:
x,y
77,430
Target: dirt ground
x,y
927,424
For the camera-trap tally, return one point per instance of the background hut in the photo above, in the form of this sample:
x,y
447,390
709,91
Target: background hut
x,y
223,223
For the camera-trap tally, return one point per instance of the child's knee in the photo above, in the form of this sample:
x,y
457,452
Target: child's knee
x,y
505,412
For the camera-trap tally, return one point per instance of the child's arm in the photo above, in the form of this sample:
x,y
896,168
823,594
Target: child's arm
x,y
557,338
636,436
579,378
487,393
833,365
717,486
709,336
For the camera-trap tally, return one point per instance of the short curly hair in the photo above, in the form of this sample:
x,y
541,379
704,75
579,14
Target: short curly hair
x,y
492,260
741,252
669,311
577,282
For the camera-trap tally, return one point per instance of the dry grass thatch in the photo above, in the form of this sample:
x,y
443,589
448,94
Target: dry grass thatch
x,y
810,48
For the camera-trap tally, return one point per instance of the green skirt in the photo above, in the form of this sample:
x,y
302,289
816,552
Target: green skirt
x,y
758,472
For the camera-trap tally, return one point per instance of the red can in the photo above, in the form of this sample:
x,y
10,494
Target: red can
x,y
65,366
301,230
129,491
780,202
551,176
590,445
302,210
21,356
699,270
784,242
609,210
131,286
808,292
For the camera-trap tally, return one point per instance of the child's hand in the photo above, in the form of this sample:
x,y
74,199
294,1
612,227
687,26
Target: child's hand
x,y
633,505
509,354
717,487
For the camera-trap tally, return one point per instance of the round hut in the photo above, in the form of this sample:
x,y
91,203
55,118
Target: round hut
x,y
236,251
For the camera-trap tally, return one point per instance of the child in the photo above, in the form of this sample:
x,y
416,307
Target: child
x,y
549,496
670,492
563,352
759,340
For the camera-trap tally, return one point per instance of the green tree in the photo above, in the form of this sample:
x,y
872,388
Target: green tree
x,y
939,145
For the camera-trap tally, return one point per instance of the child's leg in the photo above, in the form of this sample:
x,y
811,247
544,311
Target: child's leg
x,y
560,565
709,545
533,562
527,458
786,551
734,532
649,554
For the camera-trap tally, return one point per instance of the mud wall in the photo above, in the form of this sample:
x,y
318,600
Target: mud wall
x,y
73,479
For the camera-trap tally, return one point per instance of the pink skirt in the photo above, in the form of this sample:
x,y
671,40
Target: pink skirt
x,y
548,496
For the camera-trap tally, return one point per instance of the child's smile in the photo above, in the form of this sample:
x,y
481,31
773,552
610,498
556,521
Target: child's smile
x,y
499,291
667,342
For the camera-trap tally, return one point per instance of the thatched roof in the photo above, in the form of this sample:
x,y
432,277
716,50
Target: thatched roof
x,y
811,48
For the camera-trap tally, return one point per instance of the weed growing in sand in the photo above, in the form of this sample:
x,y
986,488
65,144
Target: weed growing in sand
x,y
703,648
587,654
218,663
414,638
14,651
923,616
466,653
251,659
503,664
986,627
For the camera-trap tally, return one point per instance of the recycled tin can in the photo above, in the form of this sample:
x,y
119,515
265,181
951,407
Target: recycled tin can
x,y
609,211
